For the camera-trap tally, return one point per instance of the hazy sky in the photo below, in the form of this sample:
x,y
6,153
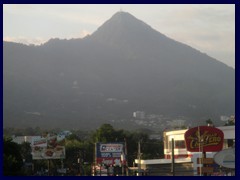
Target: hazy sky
x,y
208,28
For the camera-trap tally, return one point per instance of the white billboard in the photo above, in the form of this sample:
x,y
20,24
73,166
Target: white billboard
x,y
50,147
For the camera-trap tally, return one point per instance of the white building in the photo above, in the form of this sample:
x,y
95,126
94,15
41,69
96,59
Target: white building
x,y
181,155
180,150
139,114
22,139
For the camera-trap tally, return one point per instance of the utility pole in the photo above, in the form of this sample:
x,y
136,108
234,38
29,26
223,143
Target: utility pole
x,y
173,158
139,158
48,167
200,151
79,161
32,167
126,156
62,165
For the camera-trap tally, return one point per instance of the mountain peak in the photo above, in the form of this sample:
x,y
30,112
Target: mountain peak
x,y
121,27
122,14
127,19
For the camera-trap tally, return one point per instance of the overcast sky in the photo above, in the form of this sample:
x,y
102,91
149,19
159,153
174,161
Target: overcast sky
x,y
208,28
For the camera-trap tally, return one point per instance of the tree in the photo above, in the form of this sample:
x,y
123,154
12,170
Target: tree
x,y
105,133
78,152
149,148
231,121
25,150
12,159
209,122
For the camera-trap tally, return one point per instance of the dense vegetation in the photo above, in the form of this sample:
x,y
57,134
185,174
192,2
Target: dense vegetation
x,y
79,145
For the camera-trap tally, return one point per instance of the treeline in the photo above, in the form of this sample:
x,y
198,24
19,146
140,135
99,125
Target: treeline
x,y
79,149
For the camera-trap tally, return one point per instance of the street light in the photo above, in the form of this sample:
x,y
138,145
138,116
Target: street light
x,y
139,158
173,159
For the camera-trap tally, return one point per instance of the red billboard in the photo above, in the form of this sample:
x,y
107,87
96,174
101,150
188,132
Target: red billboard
x,y
204,139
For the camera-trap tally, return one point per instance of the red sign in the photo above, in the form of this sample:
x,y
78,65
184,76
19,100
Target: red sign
x,y
204,139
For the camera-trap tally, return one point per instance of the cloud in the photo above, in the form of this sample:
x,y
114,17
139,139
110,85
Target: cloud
x,y
84,33
41,40
25,40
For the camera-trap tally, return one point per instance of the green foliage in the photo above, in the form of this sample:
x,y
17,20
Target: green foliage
x,y
209,121
229,123
80,145
25,150
78,149
12,159
150,148
105,133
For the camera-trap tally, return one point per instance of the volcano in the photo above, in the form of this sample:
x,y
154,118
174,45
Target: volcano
x,y
124,66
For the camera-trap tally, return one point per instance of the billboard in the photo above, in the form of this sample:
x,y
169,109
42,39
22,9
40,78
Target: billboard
x,y
40,142
110,153
50,147
204,139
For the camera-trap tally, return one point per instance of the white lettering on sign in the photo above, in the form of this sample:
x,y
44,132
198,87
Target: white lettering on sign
x,y
111,148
